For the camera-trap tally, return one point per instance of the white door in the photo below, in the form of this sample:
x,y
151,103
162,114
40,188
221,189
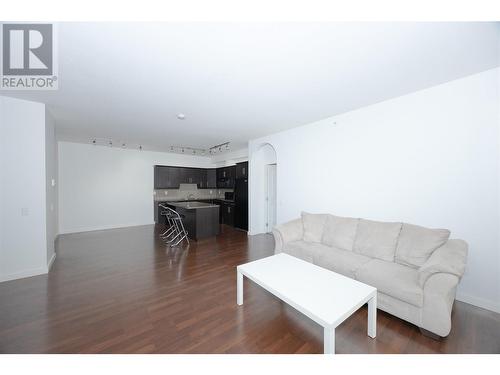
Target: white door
x,y
271,197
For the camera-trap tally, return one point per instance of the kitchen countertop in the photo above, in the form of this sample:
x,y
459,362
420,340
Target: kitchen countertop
x,y
192,205
192,200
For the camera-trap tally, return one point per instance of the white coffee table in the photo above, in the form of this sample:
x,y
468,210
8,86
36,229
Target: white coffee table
x,y
322,295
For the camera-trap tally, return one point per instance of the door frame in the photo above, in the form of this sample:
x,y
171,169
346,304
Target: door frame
x,y
270,196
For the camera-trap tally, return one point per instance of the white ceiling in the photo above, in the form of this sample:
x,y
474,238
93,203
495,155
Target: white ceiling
x,y
236,82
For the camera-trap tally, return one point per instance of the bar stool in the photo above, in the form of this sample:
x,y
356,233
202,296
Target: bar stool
x,y
175,233
168,220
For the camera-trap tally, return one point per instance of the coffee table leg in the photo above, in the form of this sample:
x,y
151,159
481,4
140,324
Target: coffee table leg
x,y
329,340
239,288
372,317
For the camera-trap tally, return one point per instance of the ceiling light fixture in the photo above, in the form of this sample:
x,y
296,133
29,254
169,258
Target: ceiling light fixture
x,y
187,150
181,116
110,143
219,148
200,151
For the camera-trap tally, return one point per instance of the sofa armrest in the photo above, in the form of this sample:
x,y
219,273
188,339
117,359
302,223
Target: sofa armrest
x,y
449,258
287,232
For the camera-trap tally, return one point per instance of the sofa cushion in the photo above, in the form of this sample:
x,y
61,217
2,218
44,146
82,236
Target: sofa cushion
x,y
313,226
393,279
341,261
377,239
416,244
303,250
340,232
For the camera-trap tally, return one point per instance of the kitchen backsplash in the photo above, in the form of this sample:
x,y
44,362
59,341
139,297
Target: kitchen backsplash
x,y
188,191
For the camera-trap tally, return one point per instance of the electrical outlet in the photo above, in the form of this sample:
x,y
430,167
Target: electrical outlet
x,y
53,182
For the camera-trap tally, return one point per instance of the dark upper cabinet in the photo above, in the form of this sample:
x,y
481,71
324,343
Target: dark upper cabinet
x,y
241,170
160,177
174,177
188,176
166,177
184,176
219,177
226,177
211,178
202,178
231,173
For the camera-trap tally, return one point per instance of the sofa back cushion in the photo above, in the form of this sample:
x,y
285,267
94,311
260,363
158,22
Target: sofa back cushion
x,y
313,226
340,232
416,244
377,239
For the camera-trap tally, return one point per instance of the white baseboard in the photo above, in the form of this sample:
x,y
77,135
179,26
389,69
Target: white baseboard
x,y
51,262
23,274
103,227
479,302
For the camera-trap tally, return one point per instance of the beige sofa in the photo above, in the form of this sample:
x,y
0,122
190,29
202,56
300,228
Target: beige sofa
x,y
416,270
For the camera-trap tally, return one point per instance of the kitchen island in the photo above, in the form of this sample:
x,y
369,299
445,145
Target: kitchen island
x,y
201,220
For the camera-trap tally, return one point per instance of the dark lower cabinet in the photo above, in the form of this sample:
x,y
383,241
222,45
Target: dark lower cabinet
x,y
228,214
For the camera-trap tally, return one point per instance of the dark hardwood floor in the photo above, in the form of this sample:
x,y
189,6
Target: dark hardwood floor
x,y
124,291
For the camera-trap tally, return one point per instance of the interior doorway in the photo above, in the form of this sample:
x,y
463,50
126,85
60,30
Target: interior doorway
x,y
263,189
270,196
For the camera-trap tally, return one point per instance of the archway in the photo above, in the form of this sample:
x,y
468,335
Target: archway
x,y
263,189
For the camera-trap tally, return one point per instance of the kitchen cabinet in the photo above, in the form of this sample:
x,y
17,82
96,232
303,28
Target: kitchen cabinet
x,y
166,177
211,178
174,177
228,213
199,222
160,177
186,176
202,178
241,170
193,176
225,177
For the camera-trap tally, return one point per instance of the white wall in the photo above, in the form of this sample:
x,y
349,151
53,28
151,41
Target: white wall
x,y
102,187
23,244
51,181
429,158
